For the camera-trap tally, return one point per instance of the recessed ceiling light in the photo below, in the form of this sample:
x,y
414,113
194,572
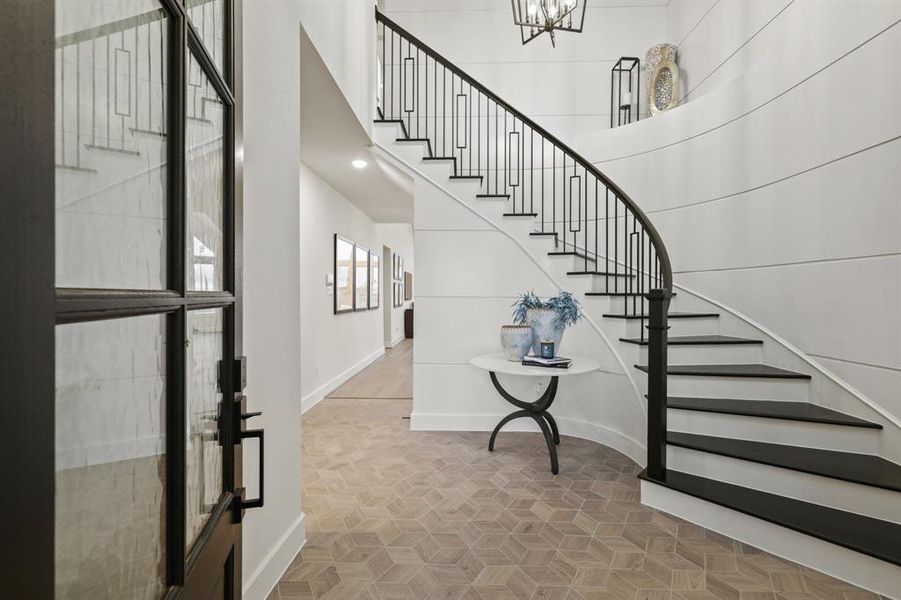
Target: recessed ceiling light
x,y
359,163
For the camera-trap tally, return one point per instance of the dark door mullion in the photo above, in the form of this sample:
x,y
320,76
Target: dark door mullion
x,y
176,430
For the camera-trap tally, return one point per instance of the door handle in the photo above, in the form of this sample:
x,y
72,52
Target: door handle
x,y
260,435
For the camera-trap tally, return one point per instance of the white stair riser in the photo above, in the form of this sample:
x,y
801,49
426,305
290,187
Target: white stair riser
x,y
755,388
777,431
518,227
701,326
835,493
465,189
438,170
412,153
859,569
680,354
386,133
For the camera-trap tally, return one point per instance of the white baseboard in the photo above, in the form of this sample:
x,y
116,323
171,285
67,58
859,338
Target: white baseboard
x,y
316,396
572,427
858,569
261,583
396,341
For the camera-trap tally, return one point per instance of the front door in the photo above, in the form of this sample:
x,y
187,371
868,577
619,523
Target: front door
x,y
146,419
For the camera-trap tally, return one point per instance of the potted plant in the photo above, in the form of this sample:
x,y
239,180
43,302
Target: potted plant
x,y
547,318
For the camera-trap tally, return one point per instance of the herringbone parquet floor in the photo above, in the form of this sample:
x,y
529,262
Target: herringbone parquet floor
x,y
395,515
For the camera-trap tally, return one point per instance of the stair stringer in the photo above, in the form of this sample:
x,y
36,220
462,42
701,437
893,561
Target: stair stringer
x,y
633,448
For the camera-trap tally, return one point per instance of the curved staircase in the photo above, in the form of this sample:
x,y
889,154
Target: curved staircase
x,y
734,443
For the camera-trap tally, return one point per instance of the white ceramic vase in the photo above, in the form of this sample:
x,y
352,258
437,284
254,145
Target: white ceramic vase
x,y
516,340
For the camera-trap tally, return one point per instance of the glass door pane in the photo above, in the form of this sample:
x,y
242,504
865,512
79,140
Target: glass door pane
x,y
110,458
111,160
203,467
208,18
205,118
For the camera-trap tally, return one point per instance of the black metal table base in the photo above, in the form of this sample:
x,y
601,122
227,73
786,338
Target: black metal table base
x,y
538,411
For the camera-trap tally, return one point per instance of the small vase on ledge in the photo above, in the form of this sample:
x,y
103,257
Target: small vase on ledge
x,y
542,322
516,341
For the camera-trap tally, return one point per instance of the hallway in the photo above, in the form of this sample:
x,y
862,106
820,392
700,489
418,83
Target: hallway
x,y
394,514
391,376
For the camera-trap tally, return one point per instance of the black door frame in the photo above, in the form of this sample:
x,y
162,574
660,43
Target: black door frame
x,y
31,306
27,299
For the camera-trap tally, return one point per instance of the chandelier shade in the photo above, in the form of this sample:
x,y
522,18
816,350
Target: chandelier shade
x,y
535,17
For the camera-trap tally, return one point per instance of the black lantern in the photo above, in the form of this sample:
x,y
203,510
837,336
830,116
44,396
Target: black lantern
x,y
534,17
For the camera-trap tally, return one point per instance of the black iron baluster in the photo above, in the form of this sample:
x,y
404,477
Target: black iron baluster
x,y
616,242
479,133
554,191
584,209
564,225
470,143
531,170
607,238
543,169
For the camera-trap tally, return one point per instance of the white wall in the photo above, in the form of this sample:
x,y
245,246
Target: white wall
x,y
469,274
564,89
335,347
398,237
344,34
274,533
777,190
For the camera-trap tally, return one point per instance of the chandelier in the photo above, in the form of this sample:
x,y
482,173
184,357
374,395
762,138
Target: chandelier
x,y
534,17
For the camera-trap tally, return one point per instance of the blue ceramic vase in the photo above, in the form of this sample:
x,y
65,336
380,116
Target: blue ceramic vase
x,y
541,321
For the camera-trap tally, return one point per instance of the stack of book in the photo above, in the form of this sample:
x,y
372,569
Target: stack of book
x,y
557,362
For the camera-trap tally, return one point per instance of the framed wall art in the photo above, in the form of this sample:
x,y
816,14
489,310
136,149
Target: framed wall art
x,y
374,275
344,258
361,278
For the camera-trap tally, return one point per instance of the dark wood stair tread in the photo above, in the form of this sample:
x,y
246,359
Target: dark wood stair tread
x,y
731,370
860,533
492,195
696,340
516,214
479,177
865,469
543,233
436,158
672,315
769,409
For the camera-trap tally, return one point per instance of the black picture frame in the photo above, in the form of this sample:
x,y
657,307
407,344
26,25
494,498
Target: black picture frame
x,y
340,306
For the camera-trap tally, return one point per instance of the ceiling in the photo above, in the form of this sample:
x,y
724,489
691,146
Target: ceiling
x,y
331,137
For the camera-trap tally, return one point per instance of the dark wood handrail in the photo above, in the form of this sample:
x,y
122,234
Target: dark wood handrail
x,y
666,270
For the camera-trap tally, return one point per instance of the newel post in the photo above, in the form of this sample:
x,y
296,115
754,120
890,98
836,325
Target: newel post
x,y
658,308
